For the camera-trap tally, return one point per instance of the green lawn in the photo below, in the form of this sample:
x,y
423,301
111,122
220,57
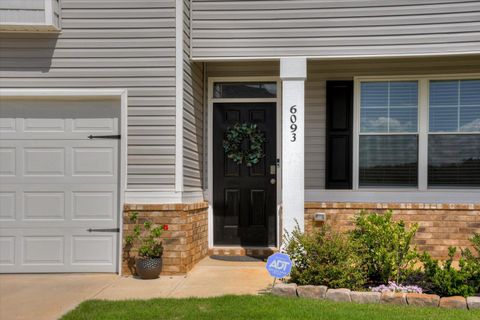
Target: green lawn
x,y
255,307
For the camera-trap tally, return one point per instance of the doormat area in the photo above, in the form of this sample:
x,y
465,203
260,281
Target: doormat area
x,y
236,258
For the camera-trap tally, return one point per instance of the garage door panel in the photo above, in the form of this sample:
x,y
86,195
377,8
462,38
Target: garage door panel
x,y
82,224
7,205
7,161
41,205
57,180
59,161
43,161
53,135
57,250
38,125
7,251
45,119
93,205
98,161
95,126
82,253
58,205
57,185
43,250
7,125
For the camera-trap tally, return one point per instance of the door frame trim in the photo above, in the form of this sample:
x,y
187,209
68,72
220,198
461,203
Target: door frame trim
x,y
209,167
117,93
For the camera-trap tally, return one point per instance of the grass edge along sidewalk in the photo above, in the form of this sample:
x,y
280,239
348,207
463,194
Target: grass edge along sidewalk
x,y
256,307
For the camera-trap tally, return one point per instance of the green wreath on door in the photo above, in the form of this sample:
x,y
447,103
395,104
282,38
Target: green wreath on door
x,y
235,136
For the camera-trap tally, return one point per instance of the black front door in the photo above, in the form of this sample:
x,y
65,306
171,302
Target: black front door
x,y
244,198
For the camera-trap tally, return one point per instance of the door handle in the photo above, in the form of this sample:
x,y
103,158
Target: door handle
x,y
273,181
104,230
273,169
116,136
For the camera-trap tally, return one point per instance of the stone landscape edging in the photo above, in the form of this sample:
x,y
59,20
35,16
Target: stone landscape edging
x,y
398,298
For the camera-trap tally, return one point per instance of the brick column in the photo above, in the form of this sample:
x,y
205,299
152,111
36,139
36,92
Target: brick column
x,y
186,241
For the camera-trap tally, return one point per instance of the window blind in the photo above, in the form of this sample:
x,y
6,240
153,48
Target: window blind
x,y
453,145
388,161
388,150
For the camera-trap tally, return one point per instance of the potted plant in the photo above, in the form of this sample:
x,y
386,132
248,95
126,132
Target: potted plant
x,y
147,236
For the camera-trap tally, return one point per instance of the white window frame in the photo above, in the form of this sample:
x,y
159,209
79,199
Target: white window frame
x,y
51,8
422,131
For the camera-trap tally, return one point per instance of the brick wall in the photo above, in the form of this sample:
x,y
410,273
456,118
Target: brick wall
x,y
440,225
186,241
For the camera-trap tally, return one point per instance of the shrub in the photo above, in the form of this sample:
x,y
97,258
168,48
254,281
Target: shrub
x,y
324,258
446,280
385,245
418,278
472,262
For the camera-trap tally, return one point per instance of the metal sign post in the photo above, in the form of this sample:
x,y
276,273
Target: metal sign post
x,y
279,265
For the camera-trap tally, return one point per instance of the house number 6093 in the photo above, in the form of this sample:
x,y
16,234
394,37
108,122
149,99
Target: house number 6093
x,y
293,123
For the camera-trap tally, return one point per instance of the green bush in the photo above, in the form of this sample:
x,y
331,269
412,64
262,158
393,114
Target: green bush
x,y
446,280
377,251
324,258
472,261
385,246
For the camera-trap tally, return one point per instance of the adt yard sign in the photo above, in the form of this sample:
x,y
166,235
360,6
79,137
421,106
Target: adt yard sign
x,y
279,265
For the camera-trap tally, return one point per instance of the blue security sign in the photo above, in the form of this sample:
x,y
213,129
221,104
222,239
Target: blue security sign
x,y
279,265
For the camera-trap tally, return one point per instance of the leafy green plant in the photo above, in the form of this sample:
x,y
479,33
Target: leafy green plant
x,y
385,245
324,258
446,280
472,261
147,235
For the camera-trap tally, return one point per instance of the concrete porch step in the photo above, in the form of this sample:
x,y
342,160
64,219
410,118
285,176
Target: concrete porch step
x,y
256,252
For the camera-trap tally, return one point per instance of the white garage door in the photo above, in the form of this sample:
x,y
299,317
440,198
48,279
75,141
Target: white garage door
x,y
56,184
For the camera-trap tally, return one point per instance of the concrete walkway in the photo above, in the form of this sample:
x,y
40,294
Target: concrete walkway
x,y
48,296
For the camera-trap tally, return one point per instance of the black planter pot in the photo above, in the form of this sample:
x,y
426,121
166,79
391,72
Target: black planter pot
x,y
148,268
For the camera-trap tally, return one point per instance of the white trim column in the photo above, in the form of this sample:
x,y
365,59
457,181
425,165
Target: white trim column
x,y
179,96
293,72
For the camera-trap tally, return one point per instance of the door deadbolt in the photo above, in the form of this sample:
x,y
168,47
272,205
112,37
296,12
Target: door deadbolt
x,y
273,169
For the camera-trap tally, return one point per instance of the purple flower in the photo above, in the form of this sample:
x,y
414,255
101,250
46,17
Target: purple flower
x,y
394,287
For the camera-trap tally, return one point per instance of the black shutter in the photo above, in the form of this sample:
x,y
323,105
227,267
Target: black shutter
x,y
339,135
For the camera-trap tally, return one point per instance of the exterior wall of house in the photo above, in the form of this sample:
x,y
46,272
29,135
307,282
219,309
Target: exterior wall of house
x,y
118,44
440,225
315,98
110,44
274,28
193,100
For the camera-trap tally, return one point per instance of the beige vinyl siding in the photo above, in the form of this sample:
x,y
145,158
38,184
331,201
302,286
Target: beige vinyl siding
x,y
333,28
193,95
110,44
319,72
314,111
